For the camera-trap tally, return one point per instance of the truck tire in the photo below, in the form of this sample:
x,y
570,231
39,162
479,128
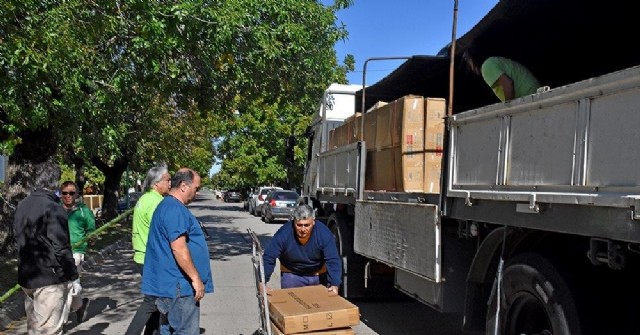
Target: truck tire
x,y
342,233
352,264
535,299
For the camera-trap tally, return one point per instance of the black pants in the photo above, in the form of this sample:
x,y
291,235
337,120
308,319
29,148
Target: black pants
x,y
147,316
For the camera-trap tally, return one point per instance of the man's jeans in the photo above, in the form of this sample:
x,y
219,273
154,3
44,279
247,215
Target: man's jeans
x,y
180,316
290,280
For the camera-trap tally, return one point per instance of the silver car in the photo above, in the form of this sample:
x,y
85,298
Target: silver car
x,y
255,204
279,204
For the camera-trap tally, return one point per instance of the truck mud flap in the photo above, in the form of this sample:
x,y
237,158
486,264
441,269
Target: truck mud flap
x,y
403,235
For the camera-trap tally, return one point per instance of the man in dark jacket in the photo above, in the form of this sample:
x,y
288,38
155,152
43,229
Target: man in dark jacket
x,y
46,266
307,252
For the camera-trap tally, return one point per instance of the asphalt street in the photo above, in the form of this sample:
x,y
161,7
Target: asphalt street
x,y
113,286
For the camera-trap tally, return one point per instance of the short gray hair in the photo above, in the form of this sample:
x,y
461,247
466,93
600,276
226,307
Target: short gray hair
x,y
303,212
154,176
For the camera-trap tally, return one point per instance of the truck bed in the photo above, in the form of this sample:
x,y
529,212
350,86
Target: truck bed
x,y
569,156
577,144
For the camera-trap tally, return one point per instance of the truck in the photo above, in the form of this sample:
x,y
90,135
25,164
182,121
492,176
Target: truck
x,y
534,227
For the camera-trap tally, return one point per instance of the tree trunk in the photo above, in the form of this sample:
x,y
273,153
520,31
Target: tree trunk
x,y
37,148
112,176
80,179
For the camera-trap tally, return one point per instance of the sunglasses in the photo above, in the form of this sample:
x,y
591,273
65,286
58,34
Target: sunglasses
x,y
68,193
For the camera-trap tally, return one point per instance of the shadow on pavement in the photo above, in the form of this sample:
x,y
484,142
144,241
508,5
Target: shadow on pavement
x,y
96,329
407,316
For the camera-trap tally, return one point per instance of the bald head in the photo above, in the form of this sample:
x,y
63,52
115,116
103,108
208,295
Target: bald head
x,y
185,184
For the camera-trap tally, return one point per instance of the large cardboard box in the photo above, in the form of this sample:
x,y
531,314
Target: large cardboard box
x,y
370,130
310,308
339,331
408,151
402,117
435,111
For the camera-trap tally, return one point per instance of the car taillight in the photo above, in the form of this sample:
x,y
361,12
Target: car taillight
x,y
273,203
260,197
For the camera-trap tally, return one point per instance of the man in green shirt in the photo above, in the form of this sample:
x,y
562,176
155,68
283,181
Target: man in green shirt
x,y
507,78
81,223
156,185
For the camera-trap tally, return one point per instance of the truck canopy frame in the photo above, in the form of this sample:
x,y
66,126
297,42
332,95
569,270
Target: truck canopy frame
x,y
553,38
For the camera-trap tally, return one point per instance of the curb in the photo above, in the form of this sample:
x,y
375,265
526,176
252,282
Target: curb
x,y
13,308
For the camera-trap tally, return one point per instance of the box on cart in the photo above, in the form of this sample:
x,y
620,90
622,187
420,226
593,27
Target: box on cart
x,y
339,331
311,308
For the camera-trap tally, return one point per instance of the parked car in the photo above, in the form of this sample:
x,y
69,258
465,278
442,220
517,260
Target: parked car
x,y
255,204
232,196
279,204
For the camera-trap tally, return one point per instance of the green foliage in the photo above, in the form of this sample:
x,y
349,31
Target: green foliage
x,y
123,85
290,50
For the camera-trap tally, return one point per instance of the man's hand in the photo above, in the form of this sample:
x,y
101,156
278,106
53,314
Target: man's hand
x,y
261,288
333,290
198,288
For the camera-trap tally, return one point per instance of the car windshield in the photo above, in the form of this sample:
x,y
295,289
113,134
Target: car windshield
x,y
285,196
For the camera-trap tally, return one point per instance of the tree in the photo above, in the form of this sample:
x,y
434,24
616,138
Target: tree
x,y
116,84
299,51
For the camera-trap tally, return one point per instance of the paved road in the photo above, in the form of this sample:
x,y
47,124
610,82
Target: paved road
x,y
113,287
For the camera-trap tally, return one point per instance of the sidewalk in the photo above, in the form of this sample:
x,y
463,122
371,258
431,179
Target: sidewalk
x,y
112,284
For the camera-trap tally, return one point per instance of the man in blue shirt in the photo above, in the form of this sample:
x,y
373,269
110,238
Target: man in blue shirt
x,y
307,252
176,268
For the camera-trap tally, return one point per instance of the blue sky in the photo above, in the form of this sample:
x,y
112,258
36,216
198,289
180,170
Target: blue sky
x,y
384,28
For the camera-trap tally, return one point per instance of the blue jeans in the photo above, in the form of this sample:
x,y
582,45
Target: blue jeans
x,y
179,316
291,280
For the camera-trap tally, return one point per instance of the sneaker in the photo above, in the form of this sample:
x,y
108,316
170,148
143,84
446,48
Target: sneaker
x,y
81,311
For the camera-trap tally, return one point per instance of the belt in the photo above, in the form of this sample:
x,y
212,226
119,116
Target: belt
x,y
322,270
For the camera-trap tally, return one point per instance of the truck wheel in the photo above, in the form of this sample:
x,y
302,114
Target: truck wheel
x,y
338,224
342,233
535,299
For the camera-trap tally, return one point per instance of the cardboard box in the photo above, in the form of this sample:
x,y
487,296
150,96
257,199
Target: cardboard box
x,y
339,331
311,308
357,129
401,117
370,130
330,142
409,142
435,111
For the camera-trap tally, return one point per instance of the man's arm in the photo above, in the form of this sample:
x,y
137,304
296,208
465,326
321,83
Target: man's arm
x,y
271,253
507,86
58,235
183,258
91,220
333,261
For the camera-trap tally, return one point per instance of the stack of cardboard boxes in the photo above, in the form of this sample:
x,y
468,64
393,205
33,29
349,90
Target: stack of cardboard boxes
x,y
311,310
404,140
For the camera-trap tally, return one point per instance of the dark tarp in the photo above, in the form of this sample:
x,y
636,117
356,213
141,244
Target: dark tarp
x,y
560,41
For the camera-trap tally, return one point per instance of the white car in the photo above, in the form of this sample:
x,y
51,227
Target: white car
x,y
257,199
